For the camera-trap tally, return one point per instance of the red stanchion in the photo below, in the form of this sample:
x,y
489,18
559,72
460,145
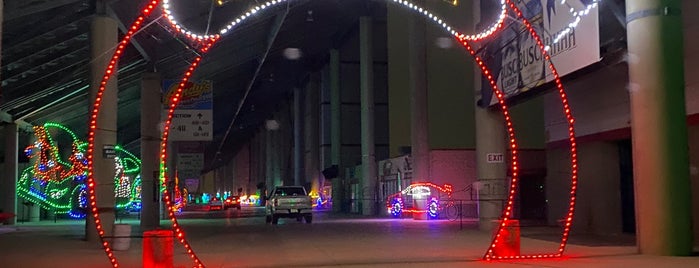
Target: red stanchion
x,y
158,249
509,242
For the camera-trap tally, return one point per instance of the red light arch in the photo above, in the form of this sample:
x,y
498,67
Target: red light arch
x,y
207,44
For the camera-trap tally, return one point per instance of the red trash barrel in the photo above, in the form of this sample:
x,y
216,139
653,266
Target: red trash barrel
x,y
509,242
158,249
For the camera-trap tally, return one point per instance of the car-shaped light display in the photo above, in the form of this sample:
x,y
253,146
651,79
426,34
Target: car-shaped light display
x,y
422,197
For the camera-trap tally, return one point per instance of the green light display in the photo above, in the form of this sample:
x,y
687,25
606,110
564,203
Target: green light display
x,y
59,186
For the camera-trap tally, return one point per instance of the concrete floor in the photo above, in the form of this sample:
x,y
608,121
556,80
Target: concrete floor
x,y
242,239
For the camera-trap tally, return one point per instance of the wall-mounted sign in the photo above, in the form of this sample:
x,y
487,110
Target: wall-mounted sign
x,y
495,158
108,151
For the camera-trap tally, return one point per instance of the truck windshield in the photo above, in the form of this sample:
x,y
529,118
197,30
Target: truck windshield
x,y
290,191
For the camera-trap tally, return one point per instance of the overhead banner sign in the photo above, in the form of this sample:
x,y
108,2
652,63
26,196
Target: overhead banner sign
x,y
515,58
193,117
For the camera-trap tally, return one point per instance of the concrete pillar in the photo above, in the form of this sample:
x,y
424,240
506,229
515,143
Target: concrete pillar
x,y
285,146
31,212
103,41
312,132
2,5
491,138
277,154
335,128
366,74
658,127
252,158
34,209
299,174
8,179
150,150
172,151
419,127
261,160
9,192
492,175
269,158
263,165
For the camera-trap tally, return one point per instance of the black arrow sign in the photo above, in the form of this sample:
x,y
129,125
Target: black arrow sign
x,y
200,115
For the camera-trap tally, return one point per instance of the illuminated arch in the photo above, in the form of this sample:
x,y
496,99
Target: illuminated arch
x,y
206,43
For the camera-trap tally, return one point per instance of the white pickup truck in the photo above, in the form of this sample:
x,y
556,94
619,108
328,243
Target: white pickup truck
x,y
289,202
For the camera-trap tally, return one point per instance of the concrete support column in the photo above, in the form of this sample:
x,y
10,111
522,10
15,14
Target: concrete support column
x,y
419,127
150,150
2,5
254,159
103,41
34,210
28,211
299,174
492,175
261,158
8,179
172,149
253,163
34,213
270,157
277,154
491,138
312,133
366,74
284,139
335,128
659,128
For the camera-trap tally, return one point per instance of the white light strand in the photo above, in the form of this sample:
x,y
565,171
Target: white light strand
x,y
226,29
578,15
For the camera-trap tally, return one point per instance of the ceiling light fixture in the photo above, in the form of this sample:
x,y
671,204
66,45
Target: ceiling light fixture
x,y
309,16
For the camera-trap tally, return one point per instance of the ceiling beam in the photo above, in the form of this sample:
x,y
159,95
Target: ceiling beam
x,y
8,118
18,9
122,28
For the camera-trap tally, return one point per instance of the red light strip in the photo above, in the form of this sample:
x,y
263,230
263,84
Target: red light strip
x,y
418,211
507,213
490,255
93,126
198,37
571,135
174,101
210,42
447,188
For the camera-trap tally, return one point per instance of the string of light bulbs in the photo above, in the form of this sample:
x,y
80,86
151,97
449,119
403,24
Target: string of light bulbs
x,y
577,17
167,9
209,40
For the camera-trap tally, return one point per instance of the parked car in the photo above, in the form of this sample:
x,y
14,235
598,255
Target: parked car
x,y
289,202
232,201
215,204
